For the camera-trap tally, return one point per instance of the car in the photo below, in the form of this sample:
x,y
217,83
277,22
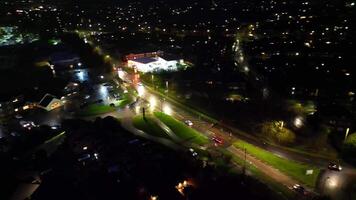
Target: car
x,y
193,152
18,116
27,124
299,189
334,166
83,105
31,180
188,123
217,140
55,127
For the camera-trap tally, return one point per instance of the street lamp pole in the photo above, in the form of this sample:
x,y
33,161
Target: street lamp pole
x,y
347,133
282,124
167,86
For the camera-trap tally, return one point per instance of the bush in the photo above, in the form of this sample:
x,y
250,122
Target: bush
x,y
274,132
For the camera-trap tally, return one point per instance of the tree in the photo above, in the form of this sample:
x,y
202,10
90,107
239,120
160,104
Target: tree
x,y
275,132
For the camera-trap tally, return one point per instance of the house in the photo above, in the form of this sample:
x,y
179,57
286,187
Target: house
x,y
50,102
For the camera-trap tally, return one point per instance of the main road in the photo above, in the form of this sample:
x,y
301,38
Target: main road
x,y
331,183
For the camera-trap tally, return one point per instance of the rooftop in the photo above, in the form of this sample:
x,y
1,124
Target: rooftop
x,y
144,60
46,100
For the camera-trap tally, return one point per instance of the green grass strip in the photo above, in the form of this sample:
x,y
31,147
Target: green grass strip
x,y
149,126
292,168
181,130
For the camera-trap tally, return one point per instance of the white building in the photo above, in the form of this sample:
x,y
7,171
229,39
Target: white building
x,y
152,64
50,102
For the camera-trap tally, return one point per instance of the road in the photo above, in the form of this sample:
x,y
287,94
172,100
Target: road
x,y
346,178
207,128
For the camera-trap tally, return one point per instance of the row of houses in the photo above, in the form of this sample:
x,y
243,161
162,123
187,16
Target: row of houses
x,y
48,102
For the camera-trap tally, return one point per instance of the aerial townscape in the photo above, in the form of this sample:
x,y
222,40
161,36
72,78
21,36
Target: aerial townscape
x,y
177,99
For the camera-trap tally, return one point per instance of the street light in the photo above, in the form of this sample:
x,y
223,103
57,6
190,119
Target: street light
x,y
167,110
153,197
298,122
347,133
167,86
140,90
153,103
137,109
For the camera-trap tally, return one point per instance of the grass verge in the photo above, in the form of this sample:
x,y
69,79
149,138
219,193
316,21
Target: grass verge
x,y
149,126
181,130
96,109
281,190
124,101
292,168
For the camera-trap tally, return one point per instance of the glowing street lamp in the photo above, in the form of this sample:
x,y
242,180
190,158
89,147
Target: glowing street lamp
x,y
298,122
347,133
167,86
181,186
154,197
137,109
167,110
140,90
153,103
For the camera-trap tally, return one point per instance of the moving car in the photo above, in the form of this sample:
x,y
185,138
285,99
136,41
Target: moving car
x,y
334,166
27,124
217,140
18,116
31,180
188,123
299,189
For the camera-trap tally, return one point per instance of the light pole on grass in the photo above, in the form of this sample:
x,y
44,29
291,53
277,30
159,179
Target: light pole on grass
x,y
167,86
347,133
